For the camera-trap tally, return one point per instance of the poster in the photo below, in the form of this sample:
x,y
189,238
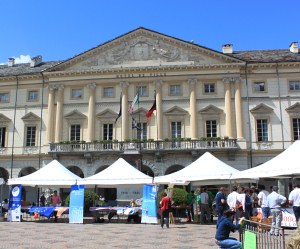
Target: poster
x,y
76,204
250,240
149,212
14,205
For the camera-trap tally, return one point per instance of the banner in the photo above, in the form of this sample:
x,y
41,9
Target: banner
x,y
76,204
149,212
44,211
14,205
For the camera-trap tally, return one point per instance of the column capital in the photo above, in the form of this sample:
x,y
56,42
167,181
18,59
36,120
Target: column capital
x,y
192,81
51,88
60,87
232,80
91,85
158,82
124,84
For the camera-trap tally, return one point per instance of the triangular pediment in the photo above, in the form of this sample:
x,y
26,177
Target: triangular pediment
x,y
140,111
295,108
4,119
75,115
211,109
175,110
261,108
30,117
107,113
142,48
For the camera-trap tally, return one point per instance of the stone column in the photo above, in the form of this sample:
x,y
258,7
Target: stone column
x,y
228,108
125,127
158,86
193,109
59,113
51,119
238,109
91,113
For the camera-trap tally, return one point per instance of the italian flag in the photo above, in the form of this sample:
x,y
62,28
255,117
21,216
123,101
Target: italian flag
x,y
134,101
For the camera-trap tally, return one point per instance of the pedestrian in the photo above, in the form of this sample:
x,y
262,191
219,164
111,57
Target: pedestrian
x,y
42,200
221,204
165,205
262,201
248,203
294,199
190,206
205,210
224,227
275,201
233,202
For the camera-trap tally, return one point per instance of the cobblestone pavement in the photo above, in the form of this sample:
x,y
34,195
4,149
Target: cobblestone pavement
x,y
44,235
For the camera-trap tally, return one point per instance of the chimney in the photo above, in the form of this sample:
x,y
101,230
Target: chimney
x,y
35,61
294,47
11,62
227,48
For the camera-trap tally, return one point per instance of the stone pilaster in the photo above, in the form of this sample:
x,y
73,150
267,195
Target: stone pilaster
x,y
238,109
125,126
91,112
50,121
193,109
228,106
59,113
158,86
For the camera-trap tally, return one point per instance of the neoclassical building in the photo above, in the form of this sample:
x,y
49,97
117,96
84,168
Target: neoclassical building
x,y
242,106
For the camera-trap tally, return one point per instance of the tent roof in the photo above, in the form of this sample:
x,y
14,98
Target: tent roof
x,y
206,168
119,173
53,174
285,164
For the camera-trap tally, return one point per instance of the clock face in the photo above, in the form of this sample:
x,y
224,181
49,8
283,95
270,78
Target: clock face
x,y
15,191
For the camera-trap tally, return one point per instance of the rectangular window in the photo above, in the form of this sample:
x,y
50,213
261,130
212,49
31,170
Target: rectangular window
x,y
142,131
262,130
76,93
108,132
108,92
4,97
143,91
33,95
30,136
75,133
259,86
2,136
176,129
294,85
296,128
209,88
211,128
175,90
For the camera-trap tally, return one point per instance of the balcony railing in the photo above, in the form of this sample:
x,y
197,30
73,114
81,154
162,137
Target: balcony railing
x,y
144,145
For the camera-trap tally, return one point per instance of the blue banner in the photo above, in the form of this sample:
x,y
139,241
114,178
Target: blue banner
x,y
76,204
44,211
149,211
14,205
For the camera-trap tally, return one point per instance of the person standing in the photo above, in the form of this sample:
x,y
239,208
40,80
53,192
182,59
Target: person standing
x,y
224,227
275,201
190,206
294,199
262,201
221,204
56,202
233,202
204,207
165,209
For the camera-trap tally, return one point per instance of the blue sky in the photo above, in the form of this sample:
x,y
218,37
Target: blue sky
x,y
60,29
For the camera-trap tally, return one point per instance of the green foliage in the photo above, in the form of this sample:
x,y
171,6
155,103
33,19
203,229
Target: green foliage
x,y
89,198
179,196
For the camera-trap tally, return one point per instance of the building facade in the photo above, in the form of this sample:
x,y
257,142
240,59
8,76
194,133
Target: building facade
x,y
242,106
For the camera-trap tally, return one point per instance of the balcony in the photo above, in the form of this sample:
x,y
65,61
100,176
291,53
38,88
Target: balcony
x,y
149,146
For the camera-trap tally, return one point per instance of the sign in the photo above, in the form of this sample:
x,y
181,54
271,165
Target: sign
x,y
149,212
14,205
76,204
250,240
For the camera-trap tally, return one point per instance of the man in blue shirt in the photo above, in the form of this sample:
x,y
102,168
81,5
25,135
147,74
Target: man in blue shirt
x,y
221,203
224,227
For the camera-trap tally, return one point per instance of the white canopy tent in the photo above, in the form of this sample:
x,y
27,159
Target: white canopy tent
x,y
120,173
206,170
53,174
285,164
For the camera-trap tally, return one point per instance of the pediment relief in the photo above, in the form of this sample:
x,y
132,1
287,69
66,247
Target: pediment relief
x,y
107,113
175,111
294,109
30,117
261,109
143,48
74,115
211,110
4,119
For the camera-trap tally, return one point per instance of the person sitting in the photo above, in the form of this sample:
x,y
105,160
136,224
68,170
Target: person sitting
x,y
224,227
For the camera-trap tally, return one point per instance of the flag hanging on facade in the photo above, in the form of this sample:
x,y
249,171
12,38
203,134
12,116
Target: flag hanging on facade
x,y
134,101
120,112
150,112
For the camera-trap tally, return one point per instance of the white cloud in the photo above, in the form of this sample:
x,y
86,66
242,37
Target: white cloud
x,y
22,59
